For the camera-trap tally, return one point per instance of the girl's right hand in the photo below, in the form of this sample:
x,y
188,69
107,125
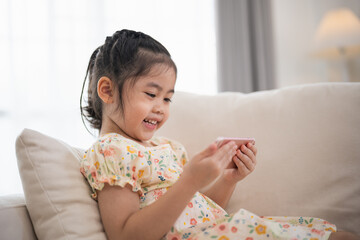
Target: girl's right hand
x,y
207,165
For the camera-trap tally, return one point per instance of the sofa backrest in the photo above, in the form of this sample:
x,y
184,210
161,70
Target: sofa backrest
x,y
308,140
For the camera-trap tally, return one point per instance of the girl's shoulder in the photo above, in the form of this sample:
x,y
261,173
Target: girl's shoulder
x,y
112,147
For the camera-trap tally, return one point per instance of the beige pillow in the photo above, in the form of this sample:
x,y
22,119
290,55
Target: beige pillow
x,y
57,196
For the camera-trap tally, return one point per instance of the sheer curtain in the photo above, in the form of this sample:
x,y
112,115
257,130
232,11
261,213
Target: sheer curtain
x,y
245,45
45,47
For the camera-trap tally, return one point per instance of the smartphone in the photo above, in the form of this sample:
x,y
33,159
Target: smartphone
x,y
239,141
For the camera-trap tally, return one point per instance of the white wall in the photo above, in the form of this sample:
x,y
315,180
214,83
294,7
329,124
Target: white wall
x,y
295,23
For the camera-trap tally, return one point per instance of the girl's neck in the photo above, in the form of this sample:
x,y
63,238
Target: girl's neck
x,y
109,126
148,143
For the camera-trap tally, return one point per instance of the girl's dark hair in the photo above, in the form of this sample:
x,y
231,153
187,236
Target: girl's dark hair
x,y
126,55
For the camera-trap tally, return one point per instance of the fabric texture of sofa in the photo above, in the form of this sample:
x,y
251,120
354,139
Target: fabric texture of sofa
x,y
308,140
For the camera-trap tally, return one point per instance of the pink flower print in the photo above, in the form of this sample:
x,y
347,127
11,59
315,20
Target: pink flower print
x,y
156,160
193,221
249,238
157,194
216,211
134,168
286,226
222,228
140,154
93,172
329,223
167,176
316,231
109,152
234,229
190,205
134,177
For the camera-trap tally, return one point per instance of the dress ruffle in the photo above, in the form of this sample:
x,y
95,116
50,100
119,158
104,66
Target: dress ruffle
x,y
115,161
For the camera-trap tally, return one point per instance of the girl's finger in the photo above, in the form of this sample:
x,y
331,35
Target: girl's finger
x,y
241,168
248,152
225,153
246,160
253,148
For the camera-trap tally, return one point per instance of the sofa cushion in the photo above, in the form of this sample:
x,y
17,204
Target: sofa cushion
x,y
56,194
14,219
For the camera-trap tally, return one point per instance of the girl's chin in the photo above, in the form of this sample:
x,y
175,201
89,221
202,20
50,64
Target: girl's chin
x,y
145,137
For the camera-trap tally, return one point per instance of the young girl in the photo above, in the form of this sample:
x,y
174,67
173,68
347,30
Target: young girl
x,y
145,186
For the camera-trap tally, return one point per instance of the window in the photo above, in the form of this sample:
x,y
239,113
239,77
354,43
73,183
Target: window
x,y
45,47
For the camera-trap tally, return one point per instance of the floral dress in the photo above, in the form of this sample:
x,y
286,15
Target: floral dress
x,y
151,171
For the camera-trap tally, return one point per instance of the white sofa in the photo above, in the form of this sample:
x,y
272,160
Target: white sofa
x,y
308,138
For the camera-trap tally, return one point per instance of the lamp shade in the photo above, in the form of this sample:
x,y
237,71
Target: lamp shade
x,y
338,29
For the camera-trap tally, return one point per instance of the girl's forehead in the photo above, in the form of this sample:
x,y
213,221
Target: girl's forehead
x,y
163,76
161,68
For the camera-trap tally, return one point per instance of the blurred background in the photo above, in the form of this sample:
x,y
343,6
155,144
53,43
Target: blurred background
x,y
218,45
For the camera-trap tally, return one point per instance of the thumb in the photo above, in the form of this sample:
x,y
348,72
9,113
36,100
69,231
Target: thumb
x,y
207,152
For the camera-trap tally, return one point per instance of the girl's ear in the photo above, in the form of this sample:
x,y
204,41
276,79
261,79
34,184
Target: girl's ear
x,y
105,90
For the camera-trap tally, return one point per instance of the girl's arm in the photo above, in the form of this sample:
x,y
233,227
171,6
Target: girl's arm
x,y
243,164
119,207
123,219
221,192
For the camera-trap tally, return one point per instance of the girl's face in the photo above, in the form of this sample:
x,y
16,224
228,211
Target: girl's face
x,y
146,104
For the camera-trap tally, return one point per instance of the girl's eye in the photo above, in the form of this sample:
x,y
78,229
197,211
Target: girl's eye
x,y
153,96
150,94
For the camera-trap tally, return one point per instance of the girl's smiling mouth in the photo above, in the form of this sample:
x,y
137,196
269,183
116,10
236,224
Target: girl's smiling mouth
x,y
150,123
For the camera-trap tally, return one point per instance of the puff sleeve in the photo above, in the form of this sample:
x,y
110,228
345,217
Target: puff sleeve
x,y
114,161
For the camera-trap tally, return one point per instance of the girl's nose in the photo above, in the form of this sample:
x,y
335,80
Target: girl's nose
x,y
158,108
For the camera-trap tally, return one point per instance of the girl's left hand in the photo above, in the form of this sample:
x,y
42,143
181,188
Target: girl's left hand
x,y
243,163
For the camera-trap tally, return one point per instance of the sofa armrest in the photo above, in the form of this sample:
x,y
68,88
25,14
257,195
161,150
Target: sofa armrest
x,y
15,222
